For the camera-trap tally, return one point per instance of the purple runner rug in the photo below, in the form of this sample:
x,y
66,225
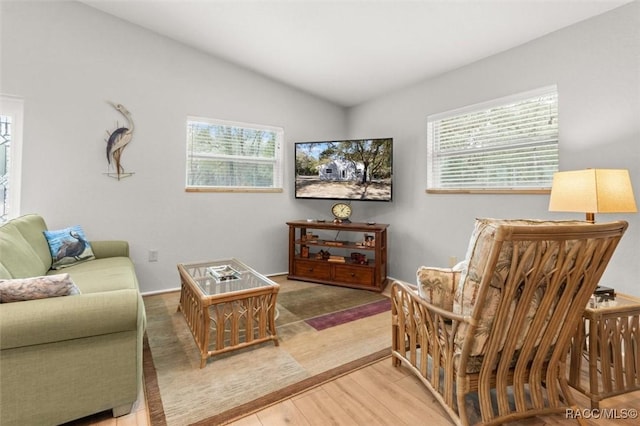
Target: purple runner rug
x,y
336,318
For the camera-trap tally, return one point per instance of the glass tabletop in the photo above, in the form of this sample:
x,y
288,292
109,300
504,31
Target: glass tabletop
x,y
620,301
225,276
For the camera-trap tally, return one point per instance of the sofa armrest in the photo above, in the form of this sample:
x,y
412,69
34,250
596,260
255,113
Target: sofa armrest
x,y
110,248
70,317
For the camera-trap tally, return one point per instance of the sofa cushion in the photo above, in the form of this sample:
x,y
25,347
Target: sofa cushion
x,y
102,275
31,227
20,258
68,246
23,289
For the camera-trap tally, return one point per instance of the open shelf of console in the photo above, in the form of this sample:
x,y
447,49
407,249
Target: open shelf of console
x,y
345,254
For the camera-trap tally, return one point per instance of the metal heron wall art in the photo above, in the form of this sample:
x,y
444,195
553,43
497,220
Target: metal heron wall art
x,y
117,140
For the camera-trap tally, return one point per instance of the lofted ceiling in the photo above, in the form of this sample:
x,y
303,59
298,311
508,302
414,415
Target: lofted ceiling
x,y
352,51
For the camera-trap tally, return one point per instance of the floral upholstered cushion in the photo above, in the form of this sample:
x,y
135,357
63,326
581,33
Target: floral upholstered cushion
x,y
21,289
437,285
467,293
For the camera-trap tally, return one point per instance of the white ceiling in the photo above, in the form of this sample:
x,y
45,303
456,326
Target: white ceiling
x,y
351,51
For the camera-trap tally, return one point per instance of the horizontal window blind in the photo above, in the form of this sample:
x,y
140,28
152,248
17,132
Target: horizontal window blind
x,y
11,124
229,155
509,143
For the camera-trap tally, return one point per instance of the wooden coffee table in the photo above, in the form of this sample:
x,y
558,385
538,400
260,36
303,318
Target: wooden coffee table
x,y
227,305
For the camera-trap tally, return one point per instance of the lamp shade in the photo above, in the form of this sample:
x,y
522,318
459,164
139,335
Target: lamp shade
x,y
592,191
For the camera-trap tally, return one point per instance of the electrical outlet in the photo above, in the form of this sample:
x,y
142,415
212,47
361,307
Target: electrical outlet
x,y
452,261
153,255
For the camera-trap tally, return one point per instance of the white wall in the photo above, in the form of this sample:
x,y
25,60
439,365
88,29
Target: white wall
x,y
596,67
66,60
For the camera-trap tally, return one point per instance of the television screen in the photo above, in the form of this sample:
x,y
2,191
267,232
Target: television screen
x,y
357,169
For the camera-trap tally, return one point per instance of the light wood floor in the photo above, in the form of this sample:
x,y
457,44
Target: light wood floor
x,y
376,395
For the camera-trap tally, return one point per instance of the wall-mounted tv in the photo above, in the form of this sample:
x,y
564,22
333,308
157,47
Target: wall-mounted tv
x,y
356,169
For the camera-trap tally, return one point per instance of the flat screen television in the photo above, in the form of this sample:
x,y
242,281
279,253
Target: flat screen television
x,y
355,169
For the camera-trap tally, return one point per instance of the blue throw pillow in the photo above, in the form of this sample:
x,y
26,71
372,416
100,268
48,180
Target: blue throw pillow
x,y
68,246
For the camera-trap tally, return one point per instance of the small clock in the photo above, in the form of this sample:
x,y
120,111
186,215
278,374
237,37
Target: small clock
x,y
341,211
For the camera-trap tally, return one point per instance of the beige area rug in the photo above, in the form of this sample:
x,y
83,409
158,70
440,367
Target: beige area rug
x,y
238,383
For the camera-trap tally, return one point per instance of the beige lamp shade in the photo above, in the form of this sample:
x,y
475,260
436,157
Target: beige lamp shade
x,y
592,191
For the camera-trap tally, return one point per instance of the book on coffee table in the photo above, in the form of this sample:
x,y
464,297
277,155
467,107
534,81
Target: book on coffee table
x,y
223,273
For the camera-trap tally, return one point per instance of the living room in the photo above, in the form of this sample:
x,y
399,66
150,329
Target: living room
x,y
65,60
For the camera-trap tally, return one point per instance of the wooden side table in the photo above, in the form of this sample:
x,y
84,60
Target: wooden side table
x,y
609,336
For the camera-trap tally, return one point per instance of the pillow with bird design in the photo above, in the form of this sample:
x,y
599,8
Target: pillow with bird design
x,y
22,289
68,246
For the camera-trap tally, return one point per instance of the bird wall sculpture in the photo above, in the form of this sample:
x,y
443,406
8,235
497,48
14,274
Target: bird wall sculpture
x,y
118,139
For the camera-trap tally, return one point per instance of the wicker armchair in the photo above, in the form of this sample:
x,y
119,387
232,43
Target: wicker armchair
x,y
490,340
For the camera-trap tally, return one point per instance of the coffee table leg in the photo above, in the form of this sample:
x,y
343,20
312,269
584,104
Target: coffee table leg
x,y
272,320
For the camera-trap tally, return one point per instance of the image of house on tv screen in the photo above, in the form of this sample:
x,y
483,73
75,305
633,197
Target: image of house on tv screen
x,y
359,169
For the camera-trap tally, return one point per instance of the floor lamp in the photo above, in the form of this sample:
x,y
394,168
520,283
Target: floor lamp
x,y
592,191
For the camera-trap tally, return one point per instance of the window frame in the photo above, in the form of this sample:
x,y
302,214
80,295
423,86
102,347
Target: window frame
x,y
433,184
13,106
277,161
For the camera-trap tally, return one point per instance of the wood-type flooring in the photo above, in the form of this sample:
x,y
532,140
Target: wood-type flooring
x,y
379,394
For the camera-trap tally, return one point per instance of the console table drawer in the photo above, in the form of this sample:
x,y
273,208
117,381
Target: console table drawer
x,y
318,270
354,275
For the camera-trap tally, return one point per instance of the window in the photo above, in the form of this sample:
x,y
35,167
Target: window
x,y
10,156
227,156
509,144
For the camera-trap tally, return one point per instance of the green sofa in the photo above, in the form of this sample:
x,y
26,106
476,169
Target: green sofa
x,y
63,358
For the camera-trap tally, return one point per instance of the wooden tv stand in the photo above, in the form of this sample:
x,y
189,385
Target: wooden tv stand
x,y
355,254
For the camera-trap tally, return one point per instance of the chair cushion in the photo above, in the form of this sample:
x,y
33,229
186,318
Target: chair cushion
x,y
466,295
437,285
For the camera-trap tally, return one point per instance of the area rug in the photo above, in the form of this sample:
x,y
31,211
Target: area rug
x,y
336,318
324,332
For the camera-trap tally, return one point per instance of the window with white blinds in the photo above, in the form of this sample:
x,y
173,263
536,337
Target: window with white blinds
x,y
229,156
508,144
11,120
